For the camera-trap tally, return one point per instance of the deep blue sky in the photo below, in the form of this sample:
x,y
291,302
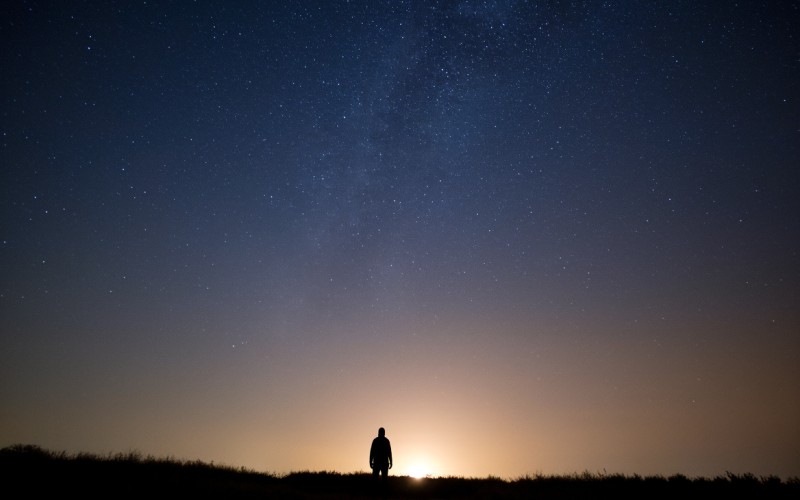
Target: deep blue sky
x,y
562,233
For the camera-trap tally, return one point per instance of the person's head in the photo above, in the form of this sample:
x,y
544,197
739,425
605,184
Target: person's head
x,y
381,432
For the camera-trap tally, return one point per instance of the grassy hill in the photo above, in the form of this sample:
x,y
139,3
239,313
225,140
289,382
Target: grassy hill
x,y
37,473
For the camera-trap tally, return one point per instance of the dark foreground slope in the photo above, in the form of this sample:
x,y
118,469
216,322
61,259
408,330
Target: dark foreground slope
x,y
36,473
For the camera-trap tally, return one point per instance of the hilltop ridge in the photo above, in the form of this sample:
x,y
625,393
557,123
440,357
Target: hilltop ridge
x,y
33,471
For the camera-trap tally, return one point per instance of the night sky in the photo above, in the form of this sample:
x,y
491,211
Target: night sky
x,y
521,236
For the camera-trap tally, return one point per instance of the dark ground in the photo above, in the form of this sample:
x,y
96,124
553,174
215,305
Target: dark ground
x,y
30,472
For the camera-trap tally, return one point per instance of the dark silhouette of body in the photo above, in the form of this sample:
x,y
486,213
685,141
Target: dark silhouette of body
x,y
380,455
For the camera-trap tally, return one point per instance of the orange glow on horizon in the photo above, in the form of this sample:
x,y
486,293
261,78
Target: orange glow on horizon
x,y
418,470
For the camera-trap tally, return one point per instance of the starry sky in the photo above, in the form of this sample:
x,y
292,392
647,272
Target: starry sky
x,y
522,236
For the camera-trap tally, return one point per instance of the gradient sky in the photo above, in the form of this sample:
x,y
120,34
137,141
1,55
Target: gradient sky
x,y
522,236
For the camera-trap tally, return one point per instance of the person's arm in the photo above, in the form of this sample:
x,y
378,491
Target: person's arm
x,y
389,446
371,454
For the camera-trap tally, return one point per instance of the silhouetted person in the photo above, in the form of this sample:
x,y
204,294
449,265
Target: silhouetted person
x,y
380,455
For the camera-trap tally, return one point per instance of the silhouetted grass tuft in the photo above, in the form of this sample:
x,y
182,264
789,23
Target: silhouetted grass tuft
x,y
34,473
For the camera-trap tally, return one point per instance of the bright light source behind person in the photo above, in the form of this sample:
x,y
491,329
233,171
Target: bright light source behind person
x,y
418,471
